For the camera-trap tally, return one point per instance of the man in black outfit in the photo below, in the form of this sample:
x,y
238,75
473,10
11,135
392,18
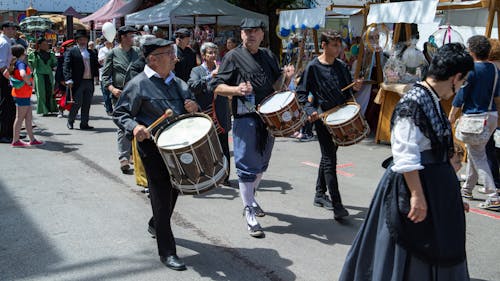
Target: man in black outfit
x,y
144,99
186,57
324,77
80,68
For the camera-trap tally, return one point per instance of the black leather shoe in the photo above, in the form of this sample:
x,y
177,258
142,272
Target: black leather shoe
x,y
86,127
340,212
69,125
173,262
323,201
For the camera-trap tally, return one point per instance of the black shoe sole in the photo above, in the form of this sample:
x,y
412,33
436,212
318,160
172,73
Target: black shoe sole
x,y
321,205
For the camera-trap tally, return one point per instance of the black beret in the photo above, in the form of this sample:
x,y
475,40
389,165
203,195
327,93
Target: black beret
x,y
182,32
250,23
151,44
9,24
126,29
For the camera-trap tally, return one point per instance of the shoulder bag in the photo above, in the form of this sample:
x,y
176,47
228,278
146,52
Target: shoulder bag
x,y
472,128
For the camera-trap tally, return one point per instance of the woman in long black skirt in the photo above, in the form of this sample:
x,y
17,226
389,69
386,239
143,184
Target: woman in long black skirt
x,y
415,227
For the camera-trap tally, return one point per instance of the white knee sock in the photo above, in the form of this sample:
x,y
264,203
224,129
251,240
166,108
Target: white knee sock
x,y
246,193
255,186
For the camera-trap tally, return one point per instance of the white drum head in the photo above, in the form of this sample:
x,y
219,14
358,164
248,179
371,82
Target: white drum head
x,y
276,102
184,132
342,115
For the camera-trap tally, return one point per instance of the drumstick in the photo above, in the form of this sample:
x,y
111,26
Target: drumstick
x,y
348,86
164,116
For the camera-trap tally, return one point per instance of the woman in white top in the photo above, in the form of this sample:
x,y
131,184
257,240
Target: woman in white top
x,y
415,227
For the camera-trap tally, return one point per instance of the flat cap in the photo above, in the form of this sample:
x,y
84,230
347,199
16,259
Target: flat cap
x,y
182,32
81,33
151,44
9,24
126,29
250,23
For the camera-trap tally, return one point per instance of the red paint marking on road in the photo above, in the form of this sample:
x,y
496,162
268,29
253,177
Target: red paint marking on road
x,y
310,164
339,172
345,174
484,213
345,165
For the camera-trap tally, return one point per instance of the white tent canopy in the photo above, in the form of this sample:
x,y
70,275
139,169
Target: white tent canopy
x,y
191,12
309,18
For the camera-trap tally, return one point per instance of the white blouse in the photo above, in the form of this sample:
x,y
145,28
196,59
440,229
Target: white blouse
x,y
407,141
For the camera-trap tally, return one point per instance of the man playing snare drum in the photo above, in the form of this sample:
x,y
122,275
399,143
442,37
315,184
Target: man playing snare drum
x,y
144,99
324,77
249,74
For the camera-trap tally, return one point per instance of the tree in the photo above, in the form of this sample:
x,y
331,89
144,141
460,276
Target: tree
x,y
269,7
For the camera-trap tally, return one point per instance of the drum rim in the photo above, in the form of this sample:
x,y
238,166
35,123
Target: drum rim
x,y
266,99
177,118
336,108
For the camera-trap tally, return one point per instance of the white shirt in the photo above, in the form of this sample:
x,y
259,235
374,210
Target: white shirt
x,y
150,73
5,52
407,141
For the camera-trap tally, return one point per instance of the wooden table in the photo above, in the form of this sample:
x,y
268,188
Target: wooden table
x,y
388,96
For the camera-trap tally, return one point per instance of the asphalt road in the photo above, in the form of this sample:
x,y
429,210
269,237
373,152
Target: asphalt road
x,y
68,213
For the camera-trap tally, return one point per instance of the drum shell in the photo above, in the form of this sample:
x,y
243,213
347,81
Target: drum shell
x,y
349,132
285,121
198,167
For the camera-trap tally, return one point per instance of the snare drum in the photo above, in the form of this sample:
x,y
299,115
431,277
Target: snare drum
x,y
192,153
282,114
346,124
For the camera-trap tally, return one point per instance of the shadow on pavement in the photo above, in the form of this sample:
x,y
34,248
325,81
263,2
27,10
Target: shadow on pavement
x,y
221,192
263,261
22,242
274,186
327,230
59,146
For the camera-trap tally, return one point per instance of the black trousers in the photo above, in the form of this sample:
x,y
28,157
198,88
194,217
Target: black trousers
x,y
224,142
327,172
163,195
7,109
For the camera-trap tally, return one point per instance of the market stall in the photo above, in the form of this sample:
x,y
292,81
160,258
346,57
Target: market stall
x,y
440,25
192,12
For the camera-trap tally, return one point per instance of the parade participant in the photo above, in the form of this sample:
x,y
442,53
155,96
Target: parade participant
x,y
144,99
7,105
199,85
106,94
185,55
415,226
80,67
118,62
324,77
22,82
249,74
42,60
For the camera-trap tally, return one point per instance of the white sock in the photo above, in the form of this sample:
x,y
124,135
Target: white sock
x,y
250,217
246,193
255,187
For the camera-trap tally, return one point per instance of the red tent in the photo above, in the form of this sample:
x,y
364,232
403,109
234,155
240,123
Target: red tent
x,y
111,10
